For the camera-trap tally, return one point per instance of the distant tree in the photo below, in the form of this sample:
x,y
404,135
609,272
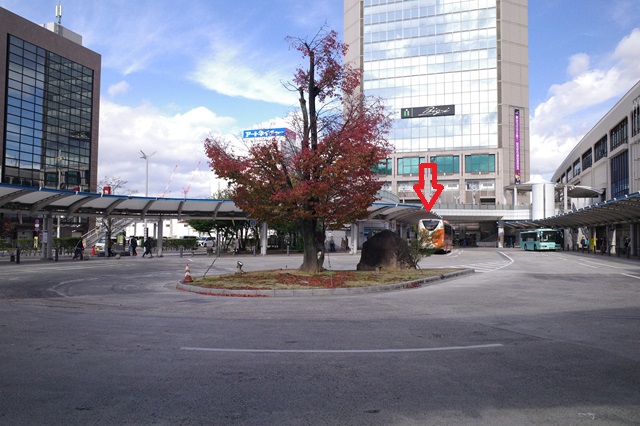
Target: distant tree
x,y
7,227
203,226
116,184
325,174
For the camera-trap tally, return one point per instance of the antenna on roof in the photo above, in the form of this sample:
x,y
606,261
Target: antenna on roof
x,y
59,12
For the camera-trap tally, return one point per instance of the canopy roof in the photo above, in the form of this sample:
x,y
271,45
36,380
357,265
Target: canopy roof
x,y
618,210
45,201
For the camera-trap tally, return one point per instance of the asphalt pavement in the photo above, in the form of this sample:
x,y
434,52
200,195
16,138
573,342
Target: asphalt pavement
x,y
529,338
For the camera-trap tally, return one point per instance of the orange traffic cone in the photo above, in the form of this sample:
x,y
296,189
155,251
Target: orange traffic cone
x,y
187,275
93,251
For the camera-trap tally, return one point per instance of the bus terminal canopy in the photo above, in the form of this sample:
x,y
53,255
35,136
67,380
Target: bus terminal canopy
x,y
53,202
611,212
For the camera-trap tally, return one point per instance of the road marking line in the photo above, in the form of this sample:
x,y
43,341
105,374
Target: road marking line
x,y
344,351
602,264
629,275
588,266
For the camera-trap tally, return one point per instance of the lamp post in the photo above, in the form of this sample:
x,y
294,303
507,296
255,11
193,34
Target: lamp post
x,y
146,158
59,160
146,190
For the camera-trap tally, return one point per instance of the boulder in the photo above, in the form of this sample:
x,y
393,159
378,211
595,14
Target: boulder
x,y
385,250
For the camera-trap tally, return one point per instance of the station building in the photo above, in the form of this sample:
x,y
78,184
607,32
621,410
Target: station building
x,y
454,74
604,168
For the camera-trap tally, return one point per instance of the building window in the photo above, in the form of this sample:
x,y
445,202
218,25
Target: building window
x,y
601,148
49,107
587,159
620,175
619,134
409,166
407,186
385,167
480,163
569,174
576,168
447,163
635,117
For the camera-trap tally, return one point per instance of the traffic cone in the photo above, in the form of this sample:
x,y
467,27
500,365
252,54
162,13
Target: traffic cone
x,y
93,250
187,275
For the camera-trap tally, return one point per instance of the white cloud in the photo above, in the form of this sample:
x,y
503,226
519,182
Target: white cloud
x,y
578,64
239,74
176,140
575,106
119,88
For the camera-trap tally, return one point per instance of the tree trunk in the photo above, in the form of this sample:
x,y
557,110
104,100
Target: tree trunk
x,y
313,255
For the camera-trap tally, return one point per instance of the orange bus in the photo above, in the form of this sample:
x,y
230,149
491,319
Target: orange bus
x,y
436,234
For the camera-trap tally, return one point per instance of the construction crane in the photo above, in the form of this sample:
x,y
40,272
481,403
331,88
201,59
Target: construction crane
x,y
166,188
185,191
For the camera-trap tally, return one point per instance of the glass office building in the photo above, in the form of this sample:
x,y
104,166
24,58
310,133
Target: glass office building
x,y
50,97
454,74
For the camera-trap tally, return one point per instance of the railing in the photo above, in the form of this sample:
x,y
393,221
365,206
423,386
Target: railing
x,y
94,235
453,206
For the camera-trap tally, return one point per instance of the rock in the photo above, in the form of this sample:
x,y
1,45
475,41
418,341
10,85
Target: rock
x,y
385,250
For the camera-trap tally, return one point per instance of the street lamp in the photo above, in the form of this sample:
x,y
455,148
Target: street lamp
x,y
146,190
146,158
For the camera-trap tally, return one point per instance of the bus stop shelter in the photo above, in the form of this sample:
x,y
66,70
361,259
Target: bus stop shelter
x,y
49,203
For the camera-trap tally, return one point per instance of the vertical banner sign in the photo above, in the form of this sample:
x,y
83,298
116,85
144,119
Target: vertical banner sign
x,y
516,142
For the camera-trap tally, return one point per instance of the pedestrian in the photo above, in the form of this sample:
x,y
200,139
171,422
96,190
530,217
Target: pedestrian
x,y
332,245
147,247
209,244
626,245
583,243
78,250
603,245
134,245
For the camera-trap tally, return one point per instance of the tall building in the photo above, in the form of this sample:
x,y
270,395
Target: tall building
x,y
49,106
454,74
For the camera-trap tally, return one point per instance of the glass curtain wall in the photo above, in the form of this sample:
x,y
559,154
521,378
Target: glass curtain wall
x,y
48,119
432,53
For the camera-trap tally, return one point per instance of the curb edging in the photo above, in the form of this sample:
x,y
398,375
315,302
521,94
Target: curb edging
x,y
421,282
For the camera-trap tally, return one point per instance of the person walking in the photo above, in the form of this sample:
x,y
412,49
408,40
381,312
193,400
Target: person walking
x,y
134,246
583,243
78,250
147,247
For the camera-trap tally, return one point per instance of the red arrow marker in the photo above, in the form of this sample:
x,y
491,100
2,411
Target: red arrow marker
x,y
428,204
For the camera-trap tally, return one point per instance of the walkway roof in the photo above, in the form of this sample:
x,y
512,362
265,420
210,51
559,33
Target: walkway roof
x,y
611,212
45,201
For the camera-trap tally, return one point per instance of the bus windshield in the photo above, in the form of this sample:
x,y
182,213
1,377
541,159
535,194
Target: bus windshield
x,y
430,225
549,236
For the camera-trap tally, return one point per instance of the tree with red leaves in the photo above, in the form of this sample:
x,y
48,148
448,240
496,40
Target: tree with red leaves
x,y
324,175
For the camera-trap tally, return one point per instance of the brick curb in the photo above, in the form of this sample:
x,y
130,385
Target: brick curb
x,y
422,282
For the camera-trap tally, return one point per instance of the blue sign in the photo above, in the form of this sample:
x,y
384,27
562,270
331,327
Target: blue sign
x,y
266,133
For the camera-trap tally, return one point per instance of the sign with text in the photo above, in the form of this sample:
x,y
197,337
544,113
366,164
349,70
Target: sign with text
x,y
268,133
428,111
516,145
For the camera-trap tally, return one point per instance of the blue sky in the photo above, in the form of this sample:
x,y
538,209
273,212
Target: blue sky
x,y
173,73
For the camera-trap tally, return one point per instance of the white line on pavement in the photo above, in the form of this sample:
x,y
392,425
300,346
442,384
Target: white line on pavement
x,y
344,351
629,275
601,264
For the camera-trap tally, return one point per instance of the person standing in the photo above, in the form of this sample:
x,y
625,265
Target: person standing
x,y
209,245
